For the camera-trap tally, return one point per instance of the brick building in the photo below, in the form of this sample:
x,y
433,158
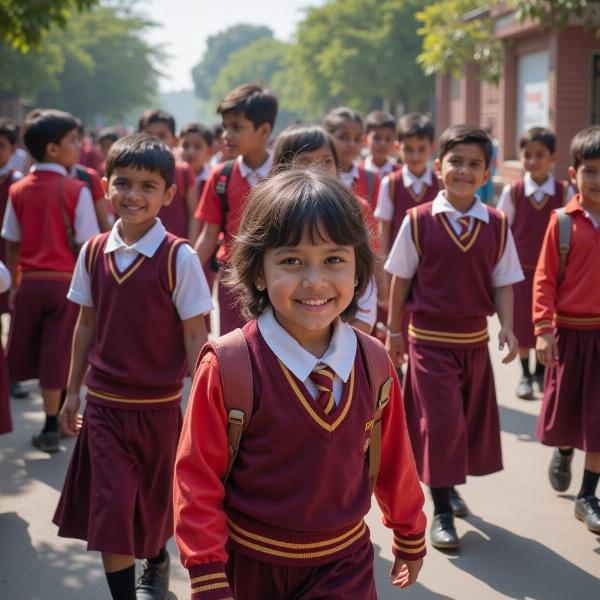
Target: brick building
x,y
548,78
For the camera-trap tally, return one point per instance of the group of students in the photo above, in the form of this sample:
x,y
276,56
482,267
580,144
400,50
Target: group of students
x,y
295,419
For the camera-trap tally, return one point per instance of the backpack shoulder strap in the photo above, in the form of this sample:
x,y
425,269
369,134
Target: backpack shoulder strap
x,y
233,356
370,185
84,176
564,239
378,371
221,189
513,194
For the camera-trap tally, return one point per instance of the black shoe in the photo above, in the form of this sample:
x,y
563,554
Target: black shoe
x,y
588,511
459,506
47,441
442,533
525,389
538,378
18,391
153,583
559,471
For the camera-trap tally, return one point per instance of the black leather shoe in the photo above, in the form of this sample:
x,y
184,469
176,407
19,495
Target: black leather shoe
x,y
559,471
18,391
588,511
538,378
459,506
153,583
442,533
47,441
525,389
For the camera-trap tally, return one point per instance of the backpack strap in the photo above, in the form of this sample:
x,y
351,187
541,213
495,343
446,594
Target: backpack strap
x,y
221,189
233,356
370,185
84,176
564,240
380,381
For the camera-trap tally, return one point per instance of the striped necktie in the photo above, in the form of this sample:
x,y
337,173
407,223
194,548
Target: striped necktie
x,y
464,223
322,377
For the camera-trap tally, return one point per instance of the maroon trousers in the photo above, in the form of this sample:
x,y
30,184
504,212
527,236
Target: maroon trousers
x,y
350,578
523,324
451,413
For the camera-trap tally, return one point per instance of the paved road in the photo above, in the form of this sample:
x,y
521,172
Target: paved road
x,y
520,542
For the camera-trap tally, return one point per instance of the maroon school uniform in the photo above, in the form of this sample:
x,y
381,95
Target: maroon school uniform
x,y
4,187
175,216
528,229
117,489
451,409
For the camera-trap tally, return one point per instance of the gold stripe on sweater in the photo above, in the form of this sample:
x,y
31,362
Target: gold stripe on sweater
x,y
129,400
577,320
446,336
208,588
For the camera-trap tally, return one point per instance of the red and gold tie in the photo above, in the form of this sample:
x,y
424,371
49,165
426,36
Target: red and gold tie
x,y
464,223
322,377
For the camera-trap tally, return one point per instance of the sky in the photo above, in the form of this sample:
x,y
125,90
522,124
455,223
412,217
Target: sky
x,y
186,25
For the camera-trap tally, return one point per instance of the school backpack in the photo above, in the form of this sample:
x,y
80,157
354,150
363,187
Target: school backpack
x,y
564,239
233,355
221,189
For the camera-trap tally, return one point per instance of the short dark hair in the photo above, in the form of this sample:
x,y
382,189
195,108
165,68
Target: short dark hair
x,y
466,134
8,130
539,134
415,124
277,213
46,126
298,139
108,133
257,104
206,134
379,119
155,115
141,151
585,145
339,116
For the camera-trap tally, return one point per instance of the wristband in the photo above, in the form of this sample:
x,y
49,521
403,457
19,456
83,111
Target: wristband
x,y
394,334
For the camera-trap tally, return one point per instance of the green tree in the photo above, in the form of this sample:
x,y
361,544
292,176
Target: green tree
x,y
219,48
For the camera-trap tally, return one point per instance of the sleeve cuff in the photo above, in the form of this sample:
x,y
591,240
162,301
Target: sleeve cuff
x,y
209,582
409,547
543,327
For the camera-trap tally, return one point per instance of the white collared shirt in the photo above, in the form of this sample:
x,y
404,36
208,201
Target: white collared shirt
x,y
385,169
7,168
348,177
385,205
85,225
203,175
403,260
191,295
339,356
19,160
5,278
254,176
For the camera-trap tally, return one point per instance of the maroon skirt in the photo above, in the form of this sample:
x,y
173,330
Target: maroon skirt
x,y
451,413
350,578
118,488
5,420
570,414
523,324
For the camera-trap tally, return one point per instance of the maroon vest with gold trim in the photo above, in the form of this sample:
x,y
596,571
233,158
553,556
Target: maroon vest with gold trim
x,y
404,199
531,220
452,291
299,488
138,358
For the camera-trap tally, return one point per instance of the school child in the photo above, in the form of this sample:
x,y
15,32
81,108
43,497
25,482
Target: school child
x,y
196,142
217,150
528,204
248,114
566,316
381,137
455,260
106,138
142,296
288,520
348,131
178,216
47,217
89,155
312,146
91,179
5,420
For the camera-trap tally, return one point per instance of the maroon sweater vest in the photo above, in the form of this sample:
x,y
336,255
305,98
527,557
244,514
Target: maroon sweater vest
x,y
405,199
452,292
138,358
299,489
175,215
531,220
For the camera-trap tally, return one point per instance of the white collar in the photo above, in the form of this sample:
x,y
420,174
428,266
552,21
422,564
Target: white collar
x,y
203,175
262,171
531,187
442,205
409,178
339,356
147,245
49,167
386,169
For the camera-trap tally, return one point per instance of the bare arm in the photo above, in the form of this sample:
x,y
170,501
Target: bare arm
x,y
385,228
207,242
194,337
191,202
503,301
395,344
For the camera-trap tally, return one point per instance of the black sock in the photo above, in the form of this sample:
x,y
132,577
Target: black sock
x,y
160,557
539,369
441,500
122,583
525,366
589,483
566,451
51,423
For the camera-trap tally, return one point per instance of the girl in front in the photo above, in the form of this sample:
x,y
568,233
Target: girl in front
x,y
288,522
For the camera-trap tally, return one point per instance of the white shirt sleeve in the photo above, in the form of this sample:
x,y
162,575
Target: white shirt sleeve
x,y
86,223
11,230
385,207
403,259
191,295
505,204
366,310
508,269
570,193
5,279
80,290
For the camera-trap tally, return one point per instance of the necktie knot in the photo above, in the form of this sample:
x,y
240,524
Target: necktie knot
x,y
322,376
464,223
